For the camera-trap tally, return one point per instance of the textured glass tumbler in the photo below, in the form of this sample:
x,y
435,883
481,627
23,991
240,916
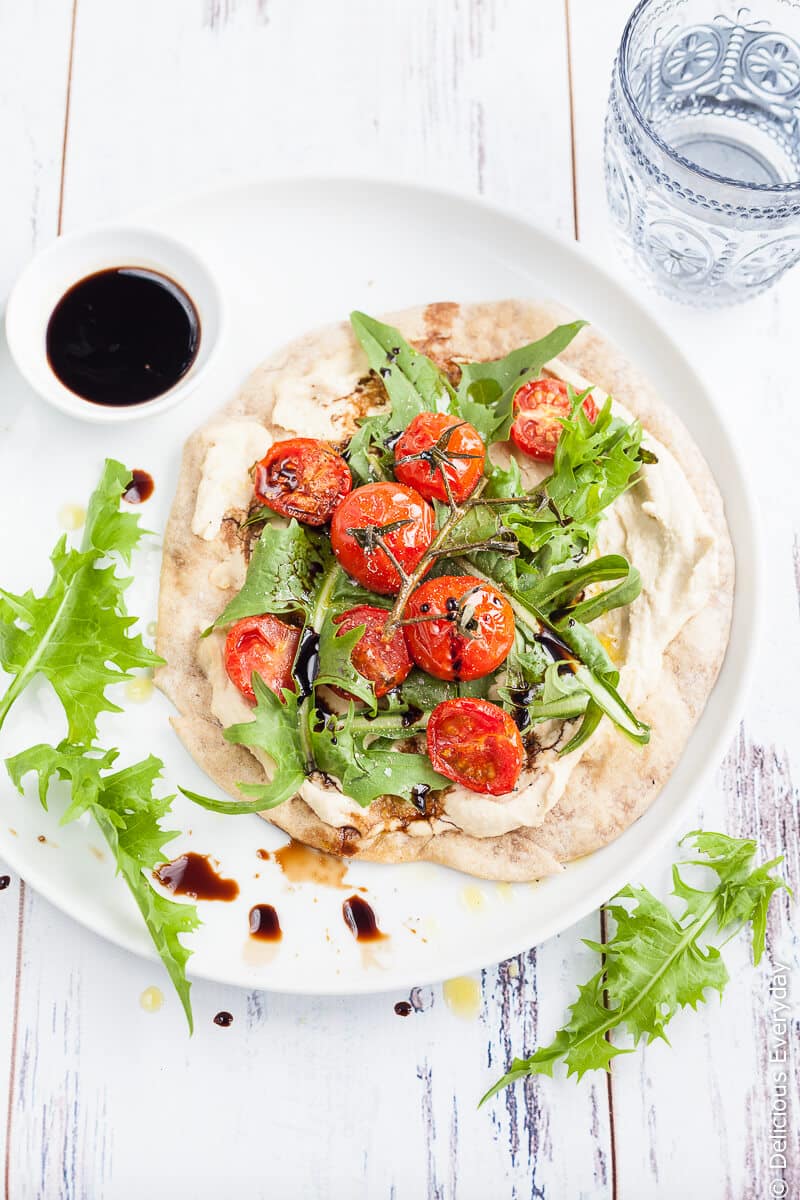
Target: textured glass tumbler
x,y
702,148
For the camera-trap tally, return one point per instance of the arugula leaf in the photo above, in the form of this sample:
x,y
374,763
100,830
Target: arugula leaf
x,y
656,963
369,459
595,674
338,594
414,384
335,666
602,689
282,575
486,524
590,689
107,529
129,816
594,464
77,635
561,698
421,691
537,689
486,391
592,716
742,895
368,769
558,590
591,666
504,482
279,729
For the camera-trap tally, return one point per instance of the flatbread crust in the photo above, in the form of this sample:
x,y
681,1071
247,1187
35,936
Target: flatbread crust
x,y
615,781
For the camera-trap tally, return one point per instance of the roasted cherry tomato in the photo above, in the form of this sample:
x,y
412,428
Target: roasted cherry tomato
x,y
437,447
264,645
462,627
302,478
477,744
386,663
377,515
539,406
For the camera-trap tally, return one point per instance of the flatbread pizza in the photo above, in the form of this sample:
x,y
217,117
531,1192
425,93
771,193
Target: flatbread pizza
x,y
451,586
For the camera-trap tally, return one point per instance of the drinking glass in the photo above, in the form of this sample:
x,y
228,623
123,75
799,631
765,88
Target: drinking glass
x,y
702,146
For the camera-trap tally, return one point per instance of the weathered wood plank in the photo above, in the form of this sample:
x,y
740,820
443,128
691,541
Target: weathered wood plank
x,y
299,1097
419,91
702,1111
32,98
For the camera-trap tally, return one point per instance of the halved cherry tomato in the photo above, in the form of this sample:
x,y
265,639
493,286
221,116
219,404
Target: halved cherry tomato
x,y
477,744
386,513
539,406
264,645
435,447
302,478
463,628
385,663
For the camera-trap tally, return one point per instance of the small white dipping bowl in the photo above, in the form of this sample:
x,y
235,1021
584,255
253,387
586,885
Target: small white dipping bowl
x,y
70,259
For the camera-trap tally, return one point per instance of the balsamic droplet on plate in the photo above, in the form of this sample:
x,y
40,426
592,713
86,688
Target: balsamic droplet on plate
x,y
193,875
264,923
361,920
140,487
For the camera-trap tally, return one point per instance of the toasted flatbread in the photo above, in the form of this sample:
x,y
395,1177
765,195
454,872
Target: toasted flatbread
x,y
614,781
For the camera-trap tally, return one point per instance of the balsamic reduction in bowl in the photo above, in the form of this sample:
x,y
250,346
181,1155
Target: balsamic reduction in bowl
x,y
122,336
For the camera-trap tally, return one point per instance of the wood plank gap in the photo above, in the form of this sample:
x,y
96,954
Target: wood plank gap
x,y
66,115
572,147
12,1066
612,1132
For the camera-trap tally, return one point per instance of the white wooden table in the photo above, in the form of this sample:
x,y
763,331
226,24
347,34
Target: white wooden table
x,y
108,106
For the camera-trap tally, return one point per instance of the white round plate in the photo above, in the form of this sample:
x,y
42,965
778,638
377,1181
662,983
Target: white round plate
x,y
291,255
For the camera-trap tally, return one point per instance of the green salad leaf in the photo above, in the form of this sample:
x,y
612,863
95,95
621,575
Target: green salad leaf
x,y
280,730
656,963
422,692
335,666
588,687
351,750
287,563
560,590
367,454
78,634
129,816
414,384
486,391
581,653
504,482
560,697
595,463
